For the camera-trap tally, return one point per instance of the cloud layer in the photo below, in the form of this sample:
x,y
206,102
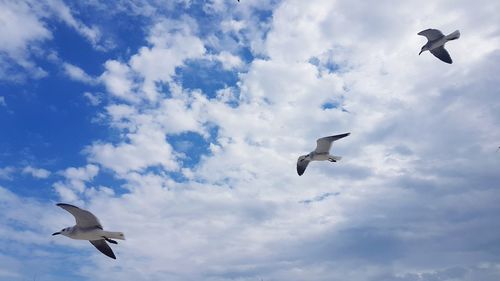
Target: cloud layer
x,y
415,196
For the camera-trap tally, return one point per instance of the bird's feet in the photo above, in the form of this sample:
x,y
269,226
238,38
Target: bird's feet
x,y
332,160
109,240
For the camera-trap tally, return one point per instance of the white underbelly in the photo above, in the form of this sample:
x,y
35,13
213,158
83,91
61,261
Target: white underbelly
x,y
94,234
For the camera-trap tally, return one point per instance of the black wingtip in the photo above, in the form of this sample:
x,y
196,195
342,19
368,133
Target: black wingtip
x,y
65,204
300,171
111,254
446,61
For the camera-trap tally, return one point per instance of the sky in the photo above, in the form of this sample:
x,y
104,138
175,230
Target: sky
x,y
180,123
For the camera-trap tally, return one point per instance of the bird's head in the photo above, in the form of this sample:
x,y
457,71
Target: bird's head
x,y
64,231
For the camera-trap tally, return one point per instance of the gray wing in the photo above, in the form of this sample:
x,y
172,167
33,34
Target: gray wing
x,y
323,145
442,54
84,219
431,34
103,247
301,166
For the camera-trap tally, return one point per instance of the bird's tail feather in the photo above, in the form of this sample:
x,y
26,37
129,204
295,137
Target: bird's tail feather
x,y
114,235
454,35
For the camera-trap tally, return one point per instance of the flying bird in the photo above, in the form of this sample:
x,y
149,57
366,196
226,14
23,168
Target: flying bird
x,y
89,228
435,43
321,153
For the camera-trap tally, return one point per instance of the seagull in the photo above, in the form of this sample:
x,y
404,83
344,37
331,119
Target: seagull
x,y
436,41
89,228
321,153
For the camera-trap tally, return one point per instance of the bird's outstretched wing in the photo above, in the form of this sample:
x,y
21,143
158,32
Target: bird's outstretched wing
x,y
442,54
84,219
302,165
103,247
323,145
431,34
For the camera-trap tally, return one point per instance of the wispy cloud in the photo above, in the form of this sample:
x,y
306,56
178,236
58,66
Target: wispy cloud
x,y
76,73
25,30
94,99
36,172
6,172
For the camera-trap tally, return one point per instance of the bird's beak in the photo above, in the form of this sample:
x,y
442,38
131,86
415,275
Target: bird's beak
x,y
420,53
56,233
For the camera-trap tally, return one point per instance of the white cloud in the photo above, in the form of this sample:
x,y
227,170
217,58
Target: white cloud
x,y
401,164
118,80
24,30
86,173
412,156
63,12
20,29
75,181
171,44
232,25
228,60
36,172
6,172
76,73
2,101
146,148
416,189
144,144
94,99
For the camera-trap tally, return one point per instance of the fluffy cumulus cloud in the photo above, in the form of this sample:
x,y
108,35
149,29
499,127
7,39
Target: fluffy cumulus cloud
x,y
415,196
75,182
171,43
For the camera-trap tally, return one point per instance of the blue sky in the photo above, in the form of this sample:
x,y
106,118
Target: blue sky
x,y
180,123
